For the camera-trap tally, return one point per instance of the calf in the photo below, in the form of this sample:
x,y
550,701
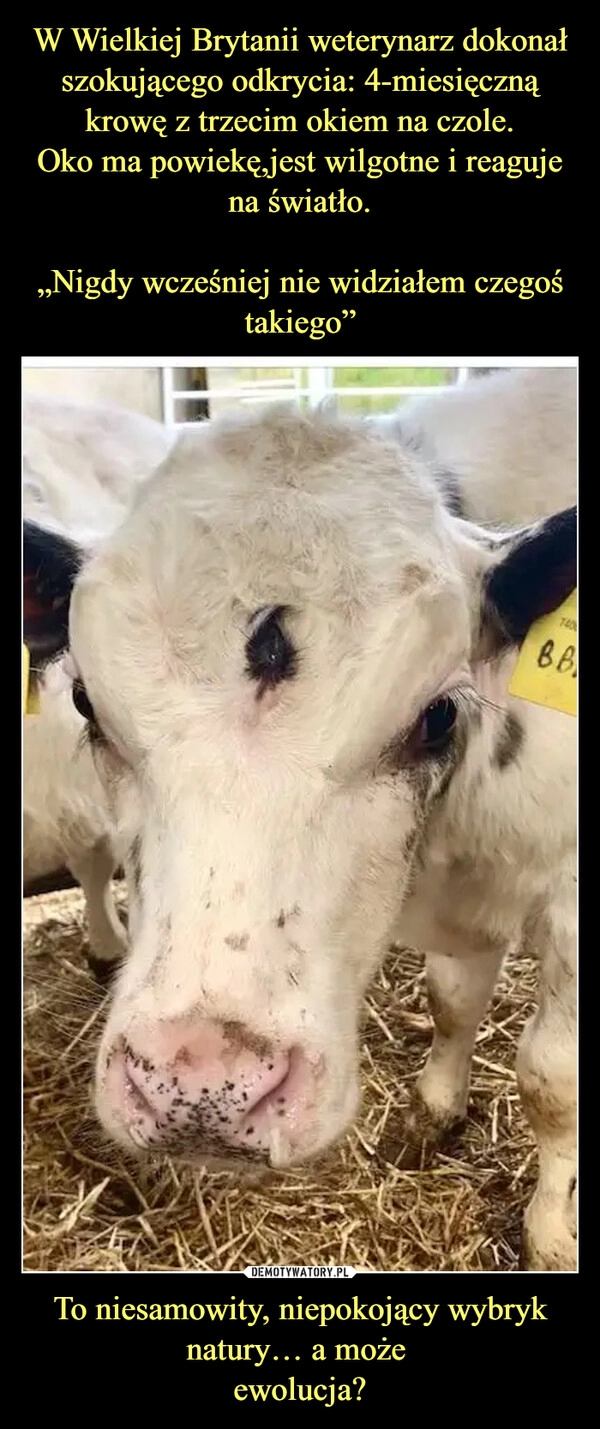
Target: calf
x,y
501,447
81,467
293,660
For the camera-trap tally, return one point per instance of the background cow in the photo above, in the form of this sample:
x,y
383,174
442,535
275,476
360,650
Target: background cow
x,y
502,447
81,468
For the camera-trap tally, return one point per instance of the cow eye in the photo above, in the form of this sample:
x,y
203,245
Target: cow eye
x,y
270,655
435,728
82,703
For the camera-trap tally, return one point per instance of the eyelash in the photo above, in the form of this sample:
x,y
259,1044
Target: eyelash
x,y
406,752
91,734
81,701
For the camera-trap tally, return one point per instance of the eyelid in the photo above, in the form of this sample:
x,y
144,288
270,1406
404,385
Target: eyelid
x,y
95,736
259,618
266,612
94,733
460,692
457,682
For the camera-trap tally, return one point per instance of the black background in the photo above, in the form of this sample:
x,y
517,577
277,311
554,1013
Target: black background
x,y
445,224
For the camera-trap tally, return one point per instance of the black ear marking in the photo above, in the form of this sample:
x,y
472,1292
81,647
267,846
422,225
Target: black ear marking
x,y
50,565
534,577
448,484
509,742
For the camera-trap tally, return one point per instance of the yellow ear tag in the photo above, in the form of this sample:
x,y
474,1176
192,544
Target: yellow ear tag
x,y
546,670
31,702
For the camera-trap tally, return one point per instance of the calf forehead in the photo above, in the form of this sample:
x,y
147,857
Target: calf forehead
x,y
315,515
280,505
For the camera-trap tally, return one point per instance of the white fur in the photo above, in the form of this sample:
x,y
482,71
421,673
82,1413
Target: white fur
x,y
493,432
81,467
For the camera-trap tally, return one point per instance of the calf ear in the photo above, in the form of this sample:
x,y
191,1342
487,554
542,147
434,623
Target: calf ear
x,y
534,572
50,565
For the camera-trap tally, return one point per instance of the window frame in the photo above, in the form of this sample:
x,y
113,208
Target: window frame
x,y
311,383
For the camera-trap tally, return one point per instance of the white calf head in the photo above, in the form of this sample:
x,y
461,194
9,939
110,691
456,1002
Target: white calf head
x,y
275,656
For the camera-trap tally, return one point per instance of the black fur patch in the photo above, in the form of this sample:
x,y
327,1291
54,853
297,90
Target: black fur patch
x,y
50,565
449,485
537,574
509,743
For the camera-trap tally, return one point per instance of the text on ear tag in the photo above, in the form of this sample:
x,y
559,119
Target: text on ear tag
x,y
546,670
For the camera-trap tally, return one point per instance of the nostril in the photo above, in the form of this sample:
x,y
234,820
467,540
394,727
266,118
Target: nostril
x,y
200,1092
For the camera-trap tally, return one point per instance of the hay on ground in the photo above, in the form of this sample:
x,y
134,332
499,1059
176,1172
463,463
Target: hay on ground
x,y
89,1207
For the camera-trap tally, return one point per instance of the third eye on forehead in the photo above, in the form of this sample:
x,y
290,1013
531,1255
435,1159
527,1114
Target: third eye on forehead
x,y
270,653
270,657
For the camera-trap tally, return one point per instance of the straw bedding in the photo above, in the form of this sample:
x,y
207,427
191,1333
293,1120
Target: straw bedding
x,y
89,1207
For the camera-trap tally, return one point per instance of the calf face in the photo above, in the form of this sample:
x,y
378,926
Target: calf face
x,y
277,657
